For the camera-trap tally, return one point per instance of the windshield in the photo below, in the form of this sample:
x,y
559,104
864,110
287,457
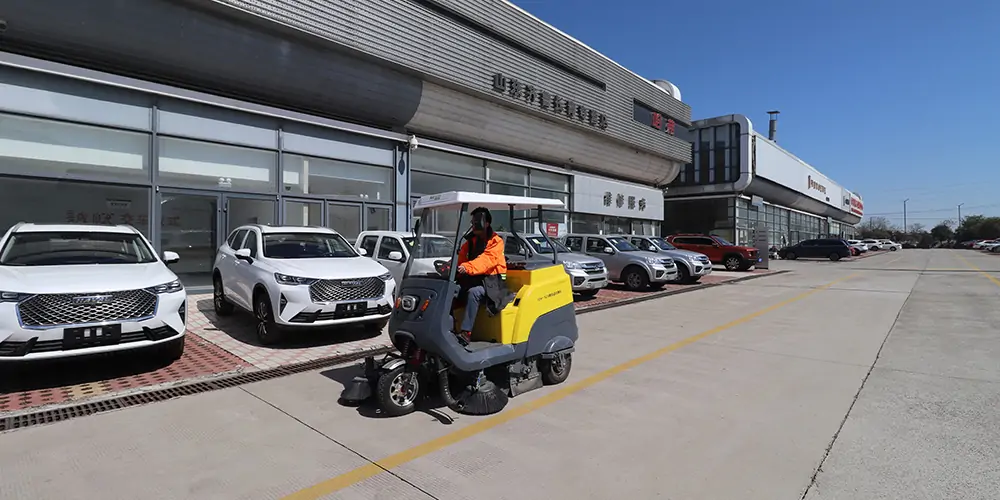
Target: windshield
x,y
622,244
539,245
74,248
432,246
662,244
306,246
722,241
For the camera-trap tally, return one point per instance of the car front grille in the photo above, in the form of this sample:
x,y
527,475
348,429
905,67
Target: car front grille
x,y
59,309
592,267
667,262
348,289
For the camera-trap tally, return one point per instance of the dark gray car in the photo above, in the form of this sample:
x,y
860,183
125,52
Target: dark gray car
x,y
691,266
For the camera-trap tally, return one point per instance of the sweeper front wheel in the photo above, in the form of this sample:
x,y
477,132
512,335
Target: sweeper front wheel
x,y
397,392
556,370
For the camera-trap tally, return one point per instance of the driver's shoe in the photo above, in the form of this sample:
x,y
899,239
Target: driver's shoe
x,y
464,338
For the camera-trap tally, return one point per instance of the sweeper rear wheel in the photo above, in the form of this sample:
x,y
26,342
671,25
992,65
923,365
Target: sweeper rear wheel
x,y
397,392
556,370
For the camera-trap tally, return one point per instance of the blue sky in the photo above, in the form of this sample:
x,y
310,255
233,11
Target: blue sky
x,y
892,99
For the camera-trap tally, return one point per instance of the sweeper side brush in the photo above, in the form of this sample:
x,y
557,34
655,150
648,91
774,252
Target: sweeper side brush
x,y
487,399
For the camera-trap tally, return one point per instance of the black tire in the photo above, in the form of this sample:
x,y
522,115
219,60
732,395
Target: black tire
x,y
684,276
657,286
892,249
376,326
734,263
835,256
556,370
392,392
635,278
221,305
589,294
266,329
172,351
791,256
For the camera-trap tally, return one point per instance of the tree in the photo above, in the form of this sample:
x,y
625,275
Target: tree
x,y
942,232
978,227
877,227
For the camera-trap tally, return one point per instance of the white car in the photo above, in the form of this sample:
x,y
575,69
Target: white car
x,y
74,289
890,245
873,245
860,245
392,250
299,277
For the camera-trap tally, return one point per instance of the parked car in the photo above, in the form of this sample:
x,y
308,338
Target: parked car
x,y
299,277
890,245
718,250
625,263
990,246
392,250
860,245
589,274
691,266
872,244
74,289
833,249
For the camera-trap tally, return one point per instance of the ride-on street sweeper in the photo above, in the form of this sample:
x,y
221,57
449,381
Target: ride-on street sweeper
x,y
522,339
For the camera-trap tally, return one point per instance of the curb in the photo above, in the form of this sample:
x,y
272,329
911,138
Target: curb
x,y
53,414
657,295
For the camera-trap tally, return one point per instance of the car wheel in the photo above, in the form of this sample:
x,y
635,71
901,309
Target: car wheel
x,y
397,392
733,263
835,256
791,256
684,276
589,294
222,306
556,370
267,330
636,279
892,249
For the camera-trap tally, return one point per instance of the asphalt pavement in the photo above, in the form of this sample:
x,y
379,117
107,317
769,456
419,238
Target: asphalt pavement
x,y
867,379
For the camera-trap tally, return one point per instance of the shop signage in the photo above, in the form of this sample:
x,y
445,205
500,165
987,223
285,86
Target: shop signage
x,y
548,101
652,118
620,201
857,206
815,185
552,229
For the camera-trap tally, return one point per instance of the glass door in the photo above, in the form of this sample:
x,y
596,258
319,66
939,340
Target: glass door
x,y
378,218
345,218
299,212
189,225
241,210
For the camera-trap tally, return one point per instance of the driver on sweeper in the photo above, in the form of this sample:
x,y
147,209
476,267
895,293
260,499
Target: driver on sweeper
x,y
480,258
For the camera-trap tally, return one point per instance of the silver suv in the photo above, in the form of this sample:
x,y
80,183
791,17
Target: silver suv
x,y
626,263
691,266
589,274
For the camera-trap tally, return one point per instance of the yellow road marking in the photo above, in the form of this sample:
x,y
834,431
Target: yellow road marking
x,y
366,471
980,271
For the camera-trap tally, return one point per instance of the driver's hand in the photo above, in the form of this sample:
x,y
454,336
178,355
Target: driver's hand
x,y
461,270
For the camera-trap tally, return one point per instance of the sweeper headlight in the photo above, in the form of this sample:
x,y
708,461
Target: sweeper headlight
x,y
408,303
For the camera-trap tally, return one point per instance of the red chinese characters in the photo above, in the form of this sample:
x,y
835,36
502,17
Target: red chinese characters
x,y
670,127
657,121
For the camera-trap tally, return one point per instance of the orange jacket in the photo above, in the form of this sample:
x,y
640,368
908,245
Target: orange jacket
x,y
491,261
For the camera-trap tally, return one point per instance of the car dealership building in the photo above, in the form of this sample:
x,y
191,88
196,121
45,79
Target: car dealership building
x,y
187,118
740,181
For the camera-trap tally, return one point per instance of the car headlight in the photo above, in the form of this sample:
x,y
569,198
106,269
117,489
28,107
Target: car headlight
x,y
385,277
284,279
171,287
654,261
13,296
571,265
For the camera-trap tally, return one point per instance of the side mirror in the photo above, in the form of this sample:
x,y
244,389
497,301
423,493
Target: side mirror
x,y
609,250
396,255
244,254
363,252
170,257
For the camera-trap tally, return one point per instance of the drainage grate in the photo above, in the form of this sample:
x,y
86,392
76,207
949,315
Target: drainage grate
x,y
81,410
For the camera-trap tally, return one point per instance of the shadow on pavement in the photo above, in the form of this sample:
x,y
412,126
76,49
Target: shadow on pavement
x,y
344,375
49,374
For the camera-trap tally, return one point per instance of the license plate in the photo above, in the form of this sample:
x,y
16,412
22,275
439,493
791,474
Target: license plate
x,y
351,309
91,336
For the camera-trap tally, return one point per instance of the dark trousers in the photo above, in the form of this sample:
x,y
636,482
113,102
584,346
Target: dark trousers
x,y
474,298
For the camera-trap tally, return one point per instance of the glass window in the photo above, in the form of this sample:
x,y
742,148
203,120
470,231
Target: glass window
x,y
303,213
307,175
345,219
596,245
236,238
574,243
389,245
251,243
422,183
378,218
72,202
75,248
585,223
241,211
507,173
368,243
430,160
507,190
306,246
52,149
555,195
213,166
549,180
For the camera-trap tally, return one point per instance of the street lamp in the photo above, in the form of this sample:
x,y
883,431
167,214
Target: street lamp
x,y
904,216
960,213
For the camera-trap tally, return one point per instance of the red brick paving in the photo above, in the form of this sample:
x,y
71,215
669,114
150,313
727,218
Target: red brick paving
x,y
214,346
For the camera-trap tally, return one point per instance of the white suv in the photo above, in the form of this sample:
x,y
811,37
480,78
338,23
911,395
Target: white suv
x,y
299,277
69,290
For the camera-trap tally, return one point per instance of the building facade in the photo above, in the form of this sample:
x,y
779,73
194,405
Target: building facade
x,y
740,181
188,118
